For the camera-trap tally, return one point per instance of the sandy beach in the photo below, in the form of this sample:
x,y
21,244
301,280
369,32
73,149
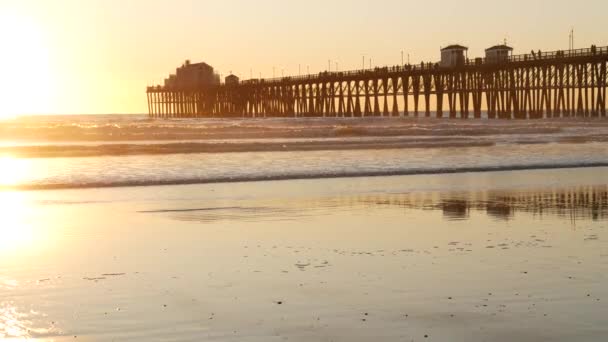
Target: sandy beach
x,y
496,256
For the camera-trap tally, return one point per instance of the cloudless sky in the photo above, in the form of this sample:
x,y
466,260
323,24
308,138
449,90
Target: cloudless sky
x,y
97,56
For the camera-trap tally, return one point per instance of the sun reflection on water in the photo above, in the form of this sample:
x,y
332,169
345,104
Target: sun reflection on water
x,y
12,323
15,230
12,171
17,238
16,325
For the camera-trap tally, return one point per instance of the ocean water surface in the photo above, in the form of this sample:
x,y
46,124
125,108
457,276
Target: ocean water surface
x,y
94,151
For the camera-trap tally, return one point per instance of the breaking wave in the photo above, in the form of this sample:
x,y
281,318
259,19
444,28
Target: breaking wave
x,y
295,176
118,135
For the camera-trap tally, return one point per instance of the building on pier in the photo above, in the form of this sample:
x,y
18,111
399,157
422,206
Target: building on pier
x,y
170,81
453,55
498,53
231,80
192,75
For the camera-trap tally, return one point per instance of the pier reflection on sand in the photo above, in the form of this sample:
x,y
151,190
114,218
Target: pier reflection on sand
x,y
575,203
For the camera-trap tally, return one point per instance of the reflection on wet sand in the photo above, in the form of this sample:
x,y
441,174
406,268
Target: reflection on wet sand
x,y
18,325
578,203
15,230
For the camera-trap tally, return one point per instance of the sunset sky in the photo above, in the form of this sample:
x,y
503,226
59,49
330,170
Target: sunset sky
x,y
97,56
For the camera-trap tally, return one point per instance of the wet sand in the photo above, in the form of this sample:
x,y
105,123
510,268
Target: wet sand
x,y
500,256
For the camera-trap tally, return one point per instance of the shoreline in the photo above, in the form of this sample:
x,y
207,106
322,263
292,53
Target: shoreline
x,y
229,180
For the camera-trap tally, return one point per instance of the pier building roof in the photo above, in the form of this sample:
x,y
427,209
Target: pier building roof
x,y
500,47
455,47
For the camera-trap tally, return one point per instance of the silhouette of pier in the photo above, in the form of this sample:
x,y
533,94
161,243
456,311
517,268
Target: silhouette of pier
x,y
556,84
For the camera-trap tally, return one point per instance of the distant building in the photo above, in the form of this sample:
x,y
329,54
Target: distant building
x,y
170,81
453,55
191,75
231,80
498,53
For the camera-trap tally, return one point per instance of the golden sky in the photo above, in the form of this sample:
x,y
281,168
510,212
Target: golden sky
x,y
97,56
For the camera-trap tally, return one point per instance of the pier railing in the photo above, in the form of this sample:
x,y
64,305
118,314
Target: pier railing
x,y
534,56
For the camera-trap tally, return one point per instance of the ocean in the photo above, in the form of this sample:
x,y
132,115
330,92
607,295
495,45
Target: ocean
x,y
53,152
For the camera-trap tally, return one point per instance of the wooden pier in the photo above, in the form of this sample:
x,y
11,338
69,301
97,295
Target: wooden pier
x,y
555,84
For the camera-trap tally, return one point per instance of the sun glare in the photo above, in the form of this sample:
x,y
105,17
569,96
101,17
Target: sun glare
x,y
24,67
12,170
15,231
